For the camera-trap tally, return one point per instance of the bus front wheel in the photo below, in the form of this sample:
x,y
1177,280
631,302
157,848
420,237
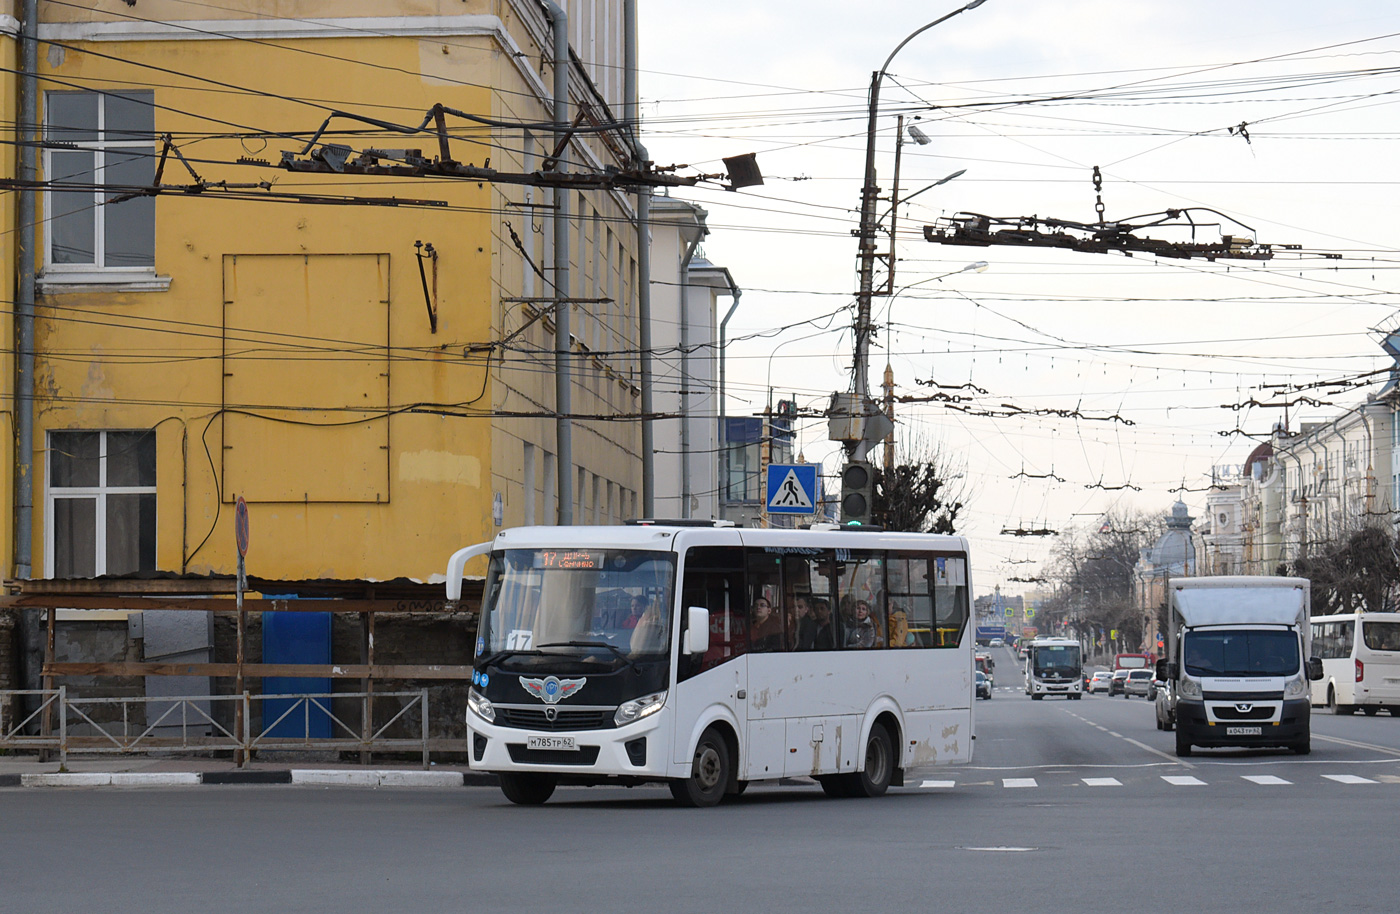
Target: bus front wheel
x,y
527,789
709,773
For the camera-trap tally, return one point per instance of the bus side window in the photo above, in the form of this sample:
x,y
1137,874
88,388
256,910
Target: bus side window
x,y
714,578
948,580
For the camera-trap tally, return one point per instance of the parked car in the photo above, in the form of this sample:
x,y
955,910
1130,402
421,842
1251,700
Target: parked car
x,y
1098,682
1164,700
1115,684
984,685
1139,682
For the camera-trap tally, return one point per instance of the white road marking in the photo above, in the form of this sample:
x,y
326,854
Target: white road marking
x,y
942,784
1180,780
1356,745
1349,779
1115,733
1103,782
1019,782
1265,779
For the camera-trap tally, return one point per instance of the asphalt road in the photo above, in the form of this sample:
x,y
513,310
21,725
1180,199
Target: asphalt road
x,y
1066,807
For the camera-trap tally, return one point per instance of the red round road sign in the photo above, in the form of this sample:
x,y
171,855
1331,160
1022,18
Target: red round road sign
x,y
240,525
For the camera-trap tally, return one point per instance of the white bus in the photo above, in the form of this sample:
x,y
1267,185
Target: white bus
x,y
708,656
1360,655
1053,668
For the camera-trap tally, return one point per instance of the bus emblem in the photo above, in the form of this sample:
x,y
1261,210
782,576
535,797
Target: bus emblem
x,y
551,689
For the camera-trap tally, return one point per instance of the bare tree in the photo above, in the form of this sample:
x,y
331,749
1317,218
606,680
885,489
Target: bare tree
x,y
923,491
1355,573
1094,570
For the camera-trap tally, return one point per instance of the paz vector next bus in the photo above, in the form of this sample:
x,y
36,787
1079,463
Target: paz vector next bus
x,y
707,656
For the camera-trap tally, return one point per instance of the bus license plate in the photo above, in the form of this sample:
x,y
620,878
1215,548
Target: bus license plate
x,y
567,743
1244,731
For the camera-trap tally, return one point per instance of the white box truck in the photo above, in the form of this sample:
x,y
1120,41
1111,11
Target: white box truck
x,y
1239,661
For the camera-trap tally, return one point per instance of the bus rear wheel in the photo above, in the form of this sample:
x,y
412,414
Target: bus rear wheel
x,y
527,789
709,773
874,778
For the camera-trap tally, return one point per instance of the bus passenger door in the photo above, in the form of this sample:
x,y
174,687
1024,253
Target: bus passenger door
x,y
713,686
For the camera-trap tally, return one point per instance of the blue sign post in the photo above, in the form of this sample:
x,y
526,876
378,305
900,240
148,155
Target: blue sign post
x,y
792,488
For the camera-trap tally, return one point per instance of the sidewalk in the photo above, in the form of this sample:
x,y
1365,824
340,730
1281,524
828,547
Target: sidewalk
x,y
89,770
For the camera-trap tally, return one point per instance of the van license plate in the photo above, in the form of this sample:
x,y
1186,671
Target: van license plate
x,y
1244,731
565,743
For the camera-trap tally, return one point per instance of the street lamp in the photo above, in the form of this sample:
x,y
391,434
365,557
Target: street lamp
x,y
853,416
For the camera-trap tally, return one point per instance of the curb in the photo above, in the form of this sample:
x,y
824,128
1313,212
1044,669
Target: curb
x,y
374,778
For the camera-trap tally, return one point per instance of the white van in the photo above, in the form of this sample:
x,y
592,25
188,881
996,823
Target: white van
x,y
1360,662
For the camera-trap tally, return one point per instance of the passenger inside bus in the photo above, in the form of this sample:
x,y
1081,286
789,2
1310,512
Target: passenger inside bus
x,y
765,627
802,627
648,634
899,627
824,638
863,632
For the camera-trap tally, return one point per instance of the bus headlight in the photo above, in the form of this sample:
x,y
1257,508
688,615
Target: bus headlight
x,y
480,706
1188,688
1296,688
630,712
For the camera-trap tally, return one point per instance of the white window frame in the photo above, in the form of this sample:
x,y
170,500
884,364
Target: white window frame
x,y
99,493
95,276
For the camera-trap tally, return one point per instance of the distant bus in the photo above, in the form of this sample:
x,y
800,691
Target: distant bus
x,y
1053,667
1134,661
707,656
1360,655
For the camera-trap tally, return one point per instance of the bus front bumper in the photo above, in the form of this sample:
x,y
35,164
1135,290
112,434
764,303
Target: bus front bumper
x,y
636,750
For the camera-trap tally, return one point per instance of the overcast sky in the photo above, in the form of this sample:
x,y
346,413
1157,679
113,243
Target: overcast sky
x,y
1028,96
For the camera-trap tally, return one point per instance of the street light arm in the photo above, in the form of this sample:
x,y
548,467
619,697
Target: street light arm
x,y
917,32
868,227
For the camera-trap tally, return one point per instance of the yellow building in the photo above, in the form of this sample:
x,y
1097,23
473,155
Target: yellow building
x,y
376,403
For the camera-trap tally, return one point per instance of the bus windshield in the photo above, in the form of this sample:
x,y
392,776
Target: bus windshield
x,y
606,606
1060,658
1241,653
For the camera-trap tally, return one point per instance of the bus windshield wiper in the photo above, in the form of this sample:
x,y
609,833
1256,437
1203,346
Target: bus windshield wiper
x,y
627,661
497,657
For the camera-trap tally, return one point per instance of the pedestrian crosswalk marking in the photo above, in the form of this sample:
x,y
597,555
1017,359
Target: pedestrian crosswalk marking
x,y
1176,780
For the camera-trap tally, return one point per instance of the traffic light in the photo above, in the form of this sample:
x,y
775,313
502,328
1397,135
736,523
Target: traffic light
x,y
857,492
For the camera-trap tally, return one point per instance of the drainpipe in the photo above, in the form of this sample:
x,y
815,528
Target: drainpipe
x,y
563,342
639,152
736,292
686,494
30,627
24,304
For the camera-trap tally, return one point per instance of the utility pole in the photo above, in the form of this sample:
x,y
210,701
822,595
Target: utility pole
x,y
853,418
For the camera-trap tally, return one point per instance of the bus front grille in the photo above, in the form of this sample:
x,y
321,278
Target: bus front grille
x,y
536,719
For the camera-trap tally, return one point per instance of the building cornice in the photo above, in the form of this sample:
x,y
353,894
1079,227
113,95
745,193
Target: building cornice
x,y
467,26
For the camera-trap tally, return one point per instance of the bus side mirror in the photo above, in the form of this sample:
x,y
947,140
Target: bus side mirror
x,y
1314,668
697,635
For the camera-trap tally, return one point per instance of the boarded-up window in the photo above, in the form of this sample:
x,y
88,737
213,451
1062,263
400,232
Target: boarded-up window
x,y
306,377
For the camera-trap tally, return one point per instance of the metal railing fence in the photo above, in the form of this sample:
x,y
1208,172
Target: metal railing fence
x,y
186,723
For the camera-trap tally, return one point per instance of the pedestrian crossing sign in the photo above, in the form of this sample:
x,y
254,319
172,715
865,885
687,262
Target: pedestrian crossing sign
x,y
792,488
